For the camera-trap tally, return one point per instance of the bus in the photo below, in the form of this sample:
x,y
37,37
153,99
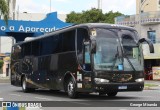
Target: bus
x,y
84,58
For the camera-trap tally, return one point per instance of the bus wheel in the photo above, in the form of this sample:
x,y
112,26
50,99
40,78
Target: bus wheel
x,y
24,86
112,94
71,89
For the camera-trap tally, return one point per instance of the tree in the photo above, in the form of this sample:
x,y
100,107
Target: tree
x,y
74,17
1,63
92,16
109,17
89,16
4,10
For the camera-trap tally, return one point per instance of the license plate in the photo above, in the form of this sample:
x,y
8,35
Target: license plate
x,y
122,87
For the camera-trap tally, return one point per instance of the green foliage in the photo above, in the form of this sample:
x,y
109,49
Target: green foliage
x,y
74,17
4,9
1,63
109,17
92,16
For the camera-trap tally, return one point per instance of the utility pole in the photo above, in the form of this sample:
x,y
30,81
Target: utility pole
x,y
50,6
99,4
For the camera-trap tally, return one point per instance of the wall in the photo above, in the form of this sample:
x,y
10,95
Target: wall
x,y
153,5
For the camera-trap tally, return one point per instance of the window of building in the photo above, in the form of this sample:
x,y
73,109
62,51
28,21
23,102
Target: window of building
x,y
152,36
142,1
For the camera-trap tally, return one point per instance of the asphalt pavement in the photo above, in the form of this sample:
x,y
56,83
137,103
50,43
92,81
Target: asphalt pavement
x,y
4,80
85,101
156,83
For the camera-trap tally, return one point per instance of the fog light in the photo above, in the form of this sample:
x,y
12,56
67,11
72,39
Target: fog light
x,y
140,80
100,81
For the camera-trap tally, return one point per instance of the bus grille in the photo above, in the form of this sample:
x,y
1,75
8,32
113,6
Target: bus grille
x,y
122,77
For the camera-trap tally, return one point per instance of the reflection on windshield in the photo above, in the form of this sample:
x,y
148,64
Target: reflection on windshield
x,y
106,51
107,55
131,54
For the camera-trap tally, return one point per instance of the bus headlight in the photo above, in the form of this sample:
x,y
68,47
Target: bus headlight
x,y
100,81
140,80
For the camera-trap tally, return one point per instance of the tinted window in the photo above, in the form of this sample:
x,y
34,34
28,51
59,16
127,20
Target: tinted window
x,y
47,46
16,52
57,44
27,49
22,50
68,41
35,48
51,45
82,35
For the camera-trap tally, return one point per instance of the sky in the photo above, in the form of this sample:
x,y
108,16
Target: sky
x,y
127,7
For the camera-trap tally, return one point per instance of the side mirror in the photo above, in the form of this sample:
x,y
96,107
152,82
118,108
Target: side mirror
x,y
93,46
151,47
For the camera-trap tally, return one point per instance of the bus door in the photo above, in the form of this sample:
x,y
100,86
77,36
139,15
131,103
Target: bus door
x,y
86,72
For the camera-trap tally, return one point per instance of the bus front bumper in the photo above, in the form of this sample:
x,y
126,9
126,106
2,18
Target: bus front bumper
x,y
119,87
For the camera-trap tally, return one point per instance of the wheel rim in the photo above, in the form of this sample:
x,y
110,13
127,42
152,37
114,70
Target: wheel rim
x,y
70,87
24,85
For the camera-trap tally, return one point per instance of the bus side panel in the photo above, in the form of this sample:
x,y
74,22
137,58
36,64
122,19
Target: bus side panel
x,y
67,62
52,72
15,73
16,65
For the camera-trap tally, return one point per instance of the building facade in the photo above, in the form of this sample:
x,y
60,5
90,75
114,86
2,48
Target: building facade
x,y
147,6
147,22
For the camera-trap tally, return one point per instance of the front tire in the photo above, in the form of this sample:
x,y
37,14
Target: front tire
x,y
24,86
71,88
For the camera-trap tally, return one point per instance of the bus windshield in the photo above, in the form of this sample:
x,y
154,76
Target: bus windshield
x,y
110,43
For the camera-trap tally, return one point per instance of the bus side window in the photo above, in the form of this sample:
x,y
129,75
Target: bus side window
x,y
87,60
87,56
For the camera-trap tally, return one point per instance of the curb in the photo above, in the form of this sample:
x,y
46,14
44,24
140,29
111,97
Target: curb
x,y
4,80
152,88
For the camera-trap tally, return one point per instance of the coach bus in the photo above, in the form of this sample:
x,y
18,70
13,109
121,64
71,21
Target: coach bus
x,y
84,58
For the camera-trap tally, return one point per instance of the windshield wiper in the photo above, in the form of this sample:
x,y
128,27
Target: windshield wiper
x,y
129,61
117,56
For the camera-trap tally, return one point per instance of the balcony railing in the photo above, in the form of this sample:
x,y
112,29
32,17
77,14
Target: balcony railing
x,y
150,15
145,18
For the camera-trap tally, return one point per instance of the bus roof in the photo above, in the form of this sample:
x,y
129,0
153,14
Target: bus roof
x,y
87,25
105,25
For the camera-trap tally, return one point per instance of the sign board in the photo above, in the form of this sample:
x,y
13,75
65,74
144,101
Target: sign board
x,y
21,29
156,73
